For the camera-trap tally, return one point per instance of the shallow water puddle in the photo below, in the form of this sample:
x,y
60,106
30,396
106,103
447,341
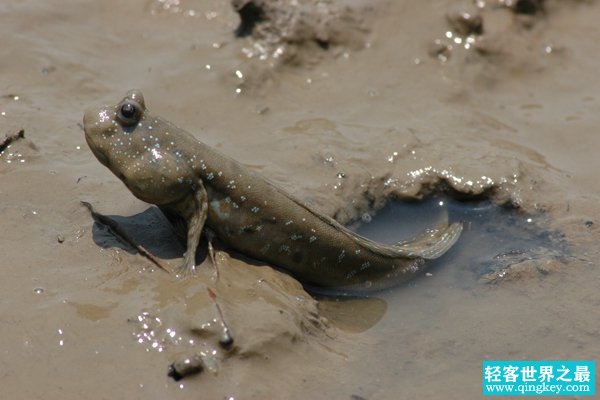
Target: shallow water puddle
x,y
494,238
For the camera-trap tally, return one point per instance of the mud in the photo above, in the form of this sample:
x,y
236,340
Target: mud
x,y
398,107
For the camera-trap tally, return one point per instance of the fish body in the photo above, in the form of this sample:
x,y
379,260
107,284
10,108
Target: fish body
x,y
191,182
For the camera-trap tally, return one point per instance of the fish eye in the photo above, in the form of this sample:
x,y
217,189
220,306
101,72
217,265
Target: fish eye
x,y
129,113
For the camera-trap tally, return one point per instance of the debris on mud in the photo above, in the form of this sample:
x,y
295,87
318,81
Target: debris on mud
x,y
8,139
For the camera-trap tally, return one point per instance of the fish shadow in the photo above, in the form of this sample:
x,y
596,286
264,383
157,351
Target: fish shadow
x,y
149,229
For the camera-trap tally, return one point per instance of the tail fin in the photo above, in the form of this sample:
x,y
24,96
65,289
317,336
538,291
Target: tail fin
x,y
434,242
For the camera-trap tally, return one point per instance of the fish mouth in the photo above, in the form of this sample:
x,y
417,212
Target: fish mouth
x,y
91,124
99,154
87,116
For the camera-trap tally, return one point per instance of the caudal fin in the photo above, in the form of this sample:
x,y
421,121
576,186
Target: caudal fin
x,y
434,242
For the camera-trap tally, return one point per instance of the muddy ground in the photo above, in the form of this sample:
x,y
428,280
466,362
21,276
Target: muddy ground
x,y
344,104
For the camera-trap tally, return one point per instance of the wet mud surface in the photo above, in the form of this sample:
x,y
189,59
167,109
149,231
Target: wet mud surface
x,y
370,112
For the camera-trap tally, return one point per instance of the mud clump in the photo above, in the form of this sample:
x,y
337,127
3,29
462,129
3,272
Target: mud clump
x,y
523,271
185,328
489,40
296,32
303,23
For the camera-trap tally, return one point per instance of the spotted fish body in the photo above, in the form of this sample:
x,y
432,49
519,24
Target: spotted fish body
x,y
162,164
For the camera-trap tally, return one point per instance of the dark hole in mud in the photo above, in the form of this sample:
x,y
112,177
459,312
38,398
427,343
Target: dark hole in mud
x,y
494,238
529,7
250,15
322,44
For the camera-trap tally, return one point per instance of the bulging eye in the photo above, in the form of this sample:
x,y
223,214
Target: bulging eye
x,y
129,113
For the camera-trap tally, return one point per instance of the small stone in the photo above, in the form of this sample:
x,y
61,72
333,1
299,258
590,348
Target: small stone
x,y
226,341
60,238
185,366
262,110
48,70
